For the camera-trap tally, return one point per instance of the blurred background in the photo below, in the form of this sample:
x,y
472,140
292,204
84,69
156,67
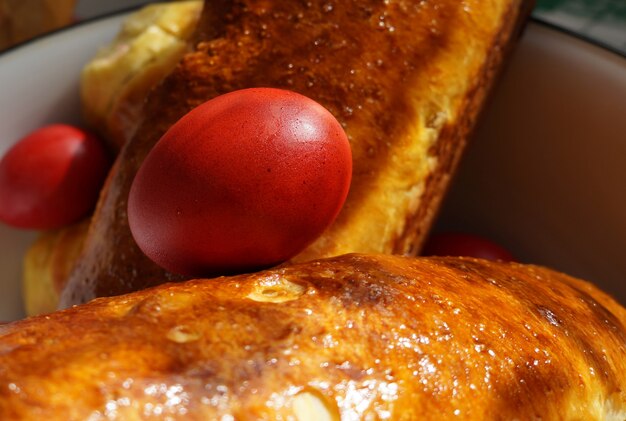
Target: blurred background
x,y
603,21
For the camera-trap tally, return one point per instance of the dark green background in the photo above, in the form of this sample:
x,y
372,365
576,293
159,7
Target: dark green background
x,y
602,20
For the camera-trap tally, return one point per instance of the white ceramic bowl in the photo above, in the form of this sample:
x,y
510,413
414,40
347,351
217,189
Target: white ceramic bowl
x,y
544,176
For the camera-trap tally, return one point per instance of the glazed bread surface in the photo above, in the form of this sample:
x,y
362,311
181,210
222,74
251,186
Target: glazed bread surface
x,y
405,79
351,337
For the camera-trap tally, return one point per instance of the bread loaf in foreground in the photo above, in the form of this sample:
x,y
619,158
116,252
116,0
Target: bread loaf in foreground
x,y
405,79
351,337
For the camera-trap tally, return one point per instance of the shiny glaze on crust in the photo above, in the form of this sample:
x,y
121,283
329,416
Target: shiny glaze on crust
x,y
366,61
370,336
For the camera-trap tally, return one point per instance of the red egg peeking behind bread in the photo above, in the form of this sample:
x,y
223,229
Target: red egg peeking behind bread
x,y
244,181
51,178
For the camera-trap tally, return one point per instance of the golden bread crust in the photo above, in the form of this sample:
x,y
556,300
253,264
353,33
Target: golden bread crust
x,y
399,76
115,83
47,265
360,336
452,139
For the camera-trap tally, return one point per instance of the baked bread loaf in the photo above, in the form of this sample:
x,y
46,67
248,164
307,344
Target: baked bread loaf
x,y
406,80
351,337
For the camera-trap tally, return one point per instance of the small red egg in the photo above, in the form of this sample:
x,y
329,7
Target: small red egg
x,y
51,178
463,244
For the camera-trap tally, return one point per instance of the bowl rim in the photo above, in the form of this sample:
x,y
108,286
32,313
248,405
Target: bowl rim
x,y
572,33
71,26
